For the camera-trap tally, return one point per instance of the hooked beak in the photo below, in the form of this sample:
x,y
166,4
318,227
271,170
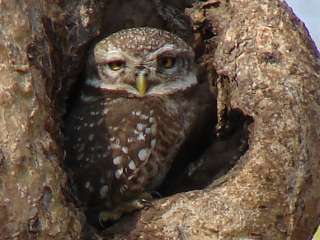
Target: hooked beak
x,y
141,83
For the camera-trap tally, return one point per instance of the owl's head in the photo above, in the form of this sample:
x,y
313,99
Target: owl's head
x,y
142,62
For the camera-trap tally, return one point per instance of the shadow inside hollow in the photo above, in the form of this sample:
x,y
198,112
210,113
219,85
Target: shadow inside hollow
x,y
196,168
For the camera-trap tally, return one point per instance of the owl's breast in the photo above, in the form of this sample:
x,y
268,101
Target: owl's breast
x,y
122,147
144,140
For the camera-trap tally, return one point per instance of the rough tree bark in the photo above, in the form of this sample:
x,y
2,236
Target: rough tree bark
x,y
260,58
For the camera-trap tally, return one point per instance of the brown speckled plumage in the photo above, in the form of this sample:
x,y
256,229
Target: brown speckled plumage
x,y
142,39
119,143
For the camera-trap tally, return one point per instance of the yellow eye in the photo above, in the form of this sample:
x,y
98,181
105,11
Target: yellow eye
x,y
116,65
168,62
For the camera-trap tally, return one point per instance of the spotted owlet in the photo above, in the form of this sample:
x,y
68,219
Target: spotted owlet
x,y
139,103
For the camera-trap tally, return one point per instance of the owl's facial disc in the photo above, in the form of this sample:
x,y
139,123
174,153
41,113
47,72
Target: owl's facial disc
x,y
162,72
148,68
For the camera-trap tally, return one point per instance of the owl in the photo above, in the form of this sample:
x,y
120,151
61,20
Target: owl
x,y
139,102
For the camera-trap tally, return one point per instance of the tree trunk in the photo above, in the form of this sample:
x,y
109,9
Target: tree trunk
x,y
261,63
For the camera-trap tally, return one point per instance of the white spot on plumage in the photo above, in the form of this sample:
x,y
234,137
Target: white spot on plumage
x,y
148,130
144,154
91,137
141,179
118,173
141,137
124,150
103,191
141,126
132,165
153,143
117,160
154,129
151,120
144,117
88,186
123,188
100,121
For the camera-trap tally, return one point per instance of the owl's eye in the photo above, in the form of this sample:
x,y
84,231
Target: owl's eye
x,y
116,65
167,62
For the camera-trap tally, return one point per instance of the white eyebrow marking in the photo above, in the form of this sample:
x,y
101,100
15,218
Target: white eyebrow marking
x,y
169,48
114,53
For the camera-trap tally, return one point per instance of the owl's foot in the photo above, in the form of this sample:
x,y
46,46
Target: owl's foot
x,y
144,201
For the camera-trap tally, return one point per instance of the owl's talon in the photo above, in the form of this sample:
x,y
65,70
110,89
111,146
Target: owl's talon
x,y
146,196
107,217
113,215
145,203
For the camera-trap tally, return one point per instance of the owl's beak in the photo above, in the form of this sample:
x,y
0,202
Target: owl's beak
x,y
141,83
